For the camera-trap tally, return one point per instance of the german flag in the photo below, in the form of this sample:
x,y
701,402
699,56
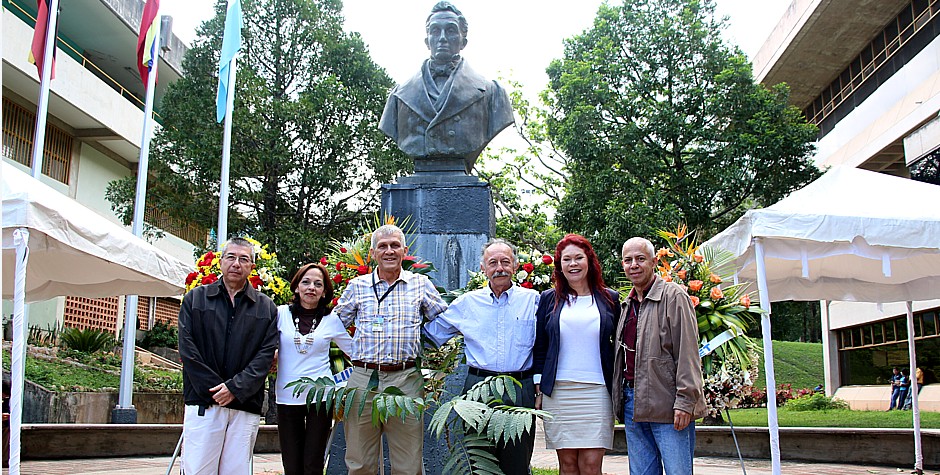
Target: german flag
x,y
147,41
39,38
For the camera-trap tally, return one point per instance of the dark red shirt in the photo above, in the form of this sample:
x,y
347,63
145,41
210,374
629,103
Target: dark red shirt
x,y
629,334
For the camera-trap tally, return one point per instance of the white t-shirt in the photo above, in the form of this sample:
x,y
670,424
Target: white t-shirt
x,y
315,363
579,357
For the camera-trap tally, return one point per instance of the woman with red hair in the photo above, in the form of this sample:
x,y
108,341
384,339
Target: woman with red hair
x,y
574,356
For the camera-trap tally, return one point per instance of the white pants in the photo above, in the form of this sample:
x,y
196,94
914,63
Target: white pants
x,y
219,442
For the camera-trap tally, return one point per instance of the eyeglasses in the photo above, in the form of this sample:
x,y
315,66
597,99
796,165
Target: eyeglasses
x,y
230,258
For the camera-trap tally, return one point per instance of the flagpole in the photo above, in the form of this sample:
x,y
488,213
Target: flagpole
x,y
226,156
39,141
125,412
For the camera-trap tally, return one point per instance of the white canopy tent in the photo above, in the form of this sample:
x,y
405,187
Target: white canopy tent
x,y
851,235
54,246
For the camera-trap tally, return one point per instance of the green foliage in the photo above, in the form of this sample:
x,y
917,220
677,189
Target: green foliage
x,y
43,337
88,340
306,156
161,335
794,321
663,122
98,372
795,363
815,402
757,417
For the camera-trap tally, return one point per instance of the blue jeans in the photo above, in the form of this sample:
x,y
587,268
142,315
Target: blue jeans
x,y
653,448
895,396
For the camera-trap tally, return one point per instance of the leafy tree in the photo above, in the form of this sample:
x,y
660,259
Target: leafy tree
x,y
662,122
307,158
927,169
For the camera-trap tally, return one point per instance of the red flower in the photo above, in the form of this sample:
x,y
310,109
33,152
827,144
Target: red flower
x,y
255,281
696,285
209,279
339,266
323,261
410,258
343,250
337,278
419,265
716,293
206,260
363,269
191,277
333,302
527,284
528,267
546,259
695,300
745,301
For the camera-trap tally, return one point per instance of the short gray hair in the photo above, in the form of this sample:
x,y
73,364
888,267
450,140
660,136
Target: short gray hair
x,y
242,242
388,230
445,6
647,246
493,242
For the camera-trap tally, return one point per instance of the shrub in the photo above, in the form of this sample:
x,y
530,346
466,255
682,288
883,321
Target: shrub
x,y
816,402
88,340
161,335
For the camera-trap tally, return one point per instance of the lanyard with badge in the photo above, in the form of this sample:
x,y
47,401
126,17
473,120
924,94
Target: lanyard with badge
x,y
378,324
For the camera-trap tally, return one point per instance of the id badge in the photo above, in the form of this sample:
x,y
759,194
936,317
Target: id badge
x,y
378,324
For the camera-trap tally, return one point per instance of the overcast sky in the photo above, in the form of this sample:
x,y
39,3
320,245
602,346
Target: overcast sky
x,y
507,38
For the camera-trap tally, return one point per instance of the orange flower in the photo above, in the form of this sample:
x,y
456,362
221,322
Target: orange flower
x,y
667,278
694,300
663,252
683,274
696,285
745,301
714,278
716,293
697,258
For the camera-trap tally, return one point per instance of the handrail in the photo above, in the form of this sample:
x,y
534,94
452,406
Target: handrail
x,y
85,62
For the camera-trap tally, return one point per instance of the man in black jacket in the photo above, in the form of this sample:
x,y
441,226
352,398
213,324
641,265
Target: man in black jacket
x,y
227,338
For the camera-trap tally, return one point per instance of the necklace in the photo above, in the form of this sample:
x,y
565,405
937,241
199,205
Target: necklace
x,y
303,342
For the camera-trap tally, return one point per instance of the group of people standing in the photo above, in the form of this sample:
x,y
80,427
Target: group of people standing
x,y
578,352
902,394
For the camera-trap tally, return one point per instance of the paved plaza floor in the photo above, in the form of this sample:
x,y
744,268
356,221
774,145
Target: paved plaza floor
x,y
270,464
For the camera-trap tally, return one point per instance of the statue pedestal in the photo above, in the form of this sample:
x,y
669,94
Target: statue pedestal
x,y
453,216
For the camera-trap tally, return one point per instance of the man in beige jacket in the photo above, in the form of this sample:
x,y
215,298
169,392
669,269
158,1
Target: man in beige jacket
x,y
657,390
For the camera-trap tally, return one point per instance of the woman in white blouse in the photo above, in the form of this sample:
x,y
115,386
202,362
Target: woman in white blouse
x,y
306,329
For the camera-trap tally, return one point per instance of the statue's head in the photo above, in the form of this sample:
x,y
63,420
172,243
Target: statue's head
x,y
446,31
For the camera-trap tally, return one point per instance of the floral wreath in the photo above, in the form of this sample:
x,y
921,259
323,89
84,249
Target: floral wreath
x,y
265,277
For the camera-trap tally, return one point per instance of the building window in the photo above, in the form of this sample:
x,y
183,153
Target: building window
x,y
913,18
868,352
18,133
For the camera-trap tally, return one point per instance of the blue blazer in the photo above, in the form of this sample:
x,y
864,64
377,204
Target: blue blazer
x,y
548,337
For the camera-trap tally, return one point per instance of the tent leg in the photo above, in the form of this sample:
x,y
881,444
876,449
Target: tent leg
x,y
772,425
912,354
18,355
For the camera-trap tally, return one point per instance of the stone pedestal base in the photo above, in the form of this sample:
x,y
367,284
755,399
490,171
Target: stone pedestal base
x,y
453,216
124,415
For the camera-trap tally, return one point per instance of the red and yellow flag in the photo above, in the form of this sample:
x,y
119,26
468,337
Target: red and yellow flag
x,y
38,49
147,42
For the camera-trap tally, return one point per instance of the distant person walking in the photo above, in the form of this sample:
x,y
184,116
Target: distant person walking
x,y
895,389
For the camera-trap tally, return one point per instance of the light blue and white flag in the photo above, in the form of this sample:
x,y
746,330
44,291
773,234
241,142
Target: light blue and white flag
x,y
712,345
231,43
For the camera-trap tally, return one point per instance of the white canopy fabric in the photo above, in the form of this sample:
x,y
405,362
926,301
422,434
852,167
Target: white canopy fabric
x,y
851,235
75,251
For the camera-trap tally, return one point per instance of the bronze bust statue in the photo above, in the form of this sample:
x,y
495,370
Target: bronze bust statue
x,y
446,114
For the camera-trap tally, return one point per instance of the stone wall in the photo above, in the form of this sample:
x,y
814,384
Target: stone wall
x,y
42,406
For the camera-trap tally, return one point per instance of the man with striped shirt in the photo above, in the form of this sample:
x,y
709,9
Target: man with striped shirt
x,y
387,307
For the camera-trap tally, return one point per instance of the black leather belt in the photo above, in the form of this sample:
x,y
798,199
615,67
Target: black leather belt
x,y
385,366
518,375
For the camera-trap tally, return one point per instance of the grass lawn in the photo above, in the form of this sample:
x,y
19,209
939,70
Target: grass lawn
x,y
60,376
544,471
835,418
795,363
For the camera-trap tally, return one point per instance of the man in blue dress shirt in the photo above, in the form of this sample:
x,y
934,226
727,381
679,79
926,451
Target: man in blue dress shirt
x,y
498,326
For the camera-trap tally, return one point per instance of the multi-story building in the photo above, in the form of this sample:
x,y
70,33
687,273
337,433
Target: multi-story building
x,y
868,74
93,134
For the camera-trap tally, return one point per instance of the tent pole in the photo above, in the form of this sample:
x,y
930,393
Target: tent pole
x,y
912,354
18,354
768,358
